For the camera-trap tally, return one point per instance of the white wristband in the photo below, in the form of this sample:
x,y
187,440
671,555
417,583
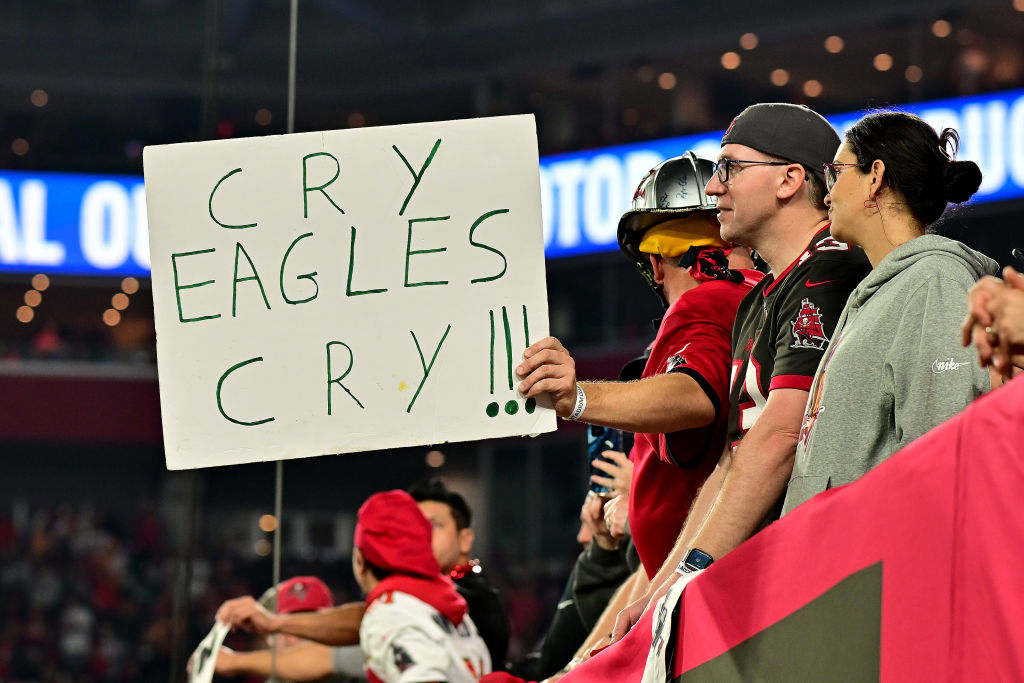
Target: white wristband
x,y
581,404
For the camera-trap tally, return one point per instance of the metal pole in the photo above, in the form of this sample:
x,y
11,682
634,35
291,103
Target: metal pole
x,y
211,70
182,603
293,44
278,491
207,131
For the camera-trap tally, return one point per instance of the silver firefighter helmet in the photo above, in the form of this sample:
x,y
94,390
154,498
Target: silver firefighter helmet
x,y
672,191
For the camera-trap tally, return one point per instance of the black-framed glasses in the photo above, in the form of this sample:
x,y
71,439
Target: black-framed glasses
x,y
832,172
721,166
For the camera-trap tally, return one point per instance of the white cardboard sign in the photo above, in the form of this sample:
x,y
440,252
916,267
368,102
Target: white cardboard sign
x,y
203,662
345,291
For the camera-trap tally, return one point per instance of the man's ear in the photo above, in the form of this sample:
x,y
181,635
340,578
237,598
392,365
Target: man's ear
x,y
466,538
358,561
794,178
658,268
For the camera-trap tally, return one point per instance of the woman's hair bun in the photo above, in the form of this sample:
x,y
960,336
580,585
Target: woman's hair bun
x,y
962,179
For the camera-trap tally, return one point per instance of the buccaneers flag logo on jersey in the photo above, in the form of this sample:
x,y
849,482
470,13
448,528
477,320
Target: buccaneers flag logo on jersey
x,y
807,328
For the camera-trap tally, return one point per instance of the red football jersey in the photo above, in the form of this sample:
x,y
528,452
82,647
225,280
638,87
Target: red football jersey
x,y
694,338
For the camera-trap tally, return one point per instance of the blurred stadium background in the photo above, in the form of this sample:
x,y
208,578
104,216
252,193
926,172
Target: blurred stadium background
x,y
92,526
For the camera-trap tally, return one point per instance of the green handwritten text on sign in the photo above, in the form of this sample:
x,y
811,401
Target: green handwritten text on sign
x,y
345,291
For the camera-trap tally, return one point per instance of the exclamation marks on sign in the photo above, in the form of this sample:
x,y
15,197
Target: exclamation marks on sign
x,y
511,406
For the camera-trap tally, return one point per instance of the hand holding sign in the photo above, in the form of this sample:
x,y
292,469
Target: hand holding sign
x,y
548,368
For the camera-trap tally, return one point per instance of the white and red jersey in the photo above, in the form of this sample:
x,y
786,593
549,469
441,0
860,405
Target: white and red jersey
x,y
784,325
405,640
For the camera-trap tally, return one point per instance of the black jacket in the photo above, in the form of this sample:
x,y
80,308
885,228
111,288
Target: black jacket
x,y
487,610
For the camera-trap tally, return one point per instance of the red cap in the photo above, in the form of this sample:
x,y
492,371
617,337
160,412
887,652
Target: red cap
x,y
303,594
394,535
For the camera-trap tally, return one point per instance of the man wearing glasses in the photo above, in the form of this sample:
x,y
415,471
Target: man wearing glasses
x,y
769,181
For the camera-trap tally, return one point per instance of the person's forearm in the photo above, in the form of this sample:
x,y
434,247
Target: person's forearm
x,y
742,489
666,574
336,626
661,404
706,497
303,662
234,663
757,478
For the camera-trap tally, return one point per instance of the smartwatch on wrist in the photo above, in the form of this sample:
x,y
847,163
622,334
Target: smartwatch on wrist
x,y
695,560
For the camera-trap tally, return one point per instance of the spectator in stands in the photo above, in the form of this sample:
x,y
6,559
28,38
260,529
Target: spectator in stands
x,y
450,518
51,563
770,188
893,369
678,408
995,323
47,342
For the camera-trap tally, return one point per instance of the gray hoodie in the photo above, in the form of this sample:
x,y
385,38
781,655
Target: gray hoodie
x,y
894,367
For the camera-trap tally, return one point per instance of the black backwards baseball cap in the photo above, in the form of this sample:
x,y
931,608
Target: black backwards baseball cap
x,y
789,131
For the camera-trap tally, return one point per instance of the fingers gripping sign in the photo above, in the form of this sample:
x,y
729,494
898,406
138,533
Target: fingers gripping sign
x,y
547,367
246,613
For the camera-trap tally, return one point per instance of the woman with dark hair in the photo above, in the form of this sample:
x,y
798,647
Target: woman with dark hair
x,y
894,367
